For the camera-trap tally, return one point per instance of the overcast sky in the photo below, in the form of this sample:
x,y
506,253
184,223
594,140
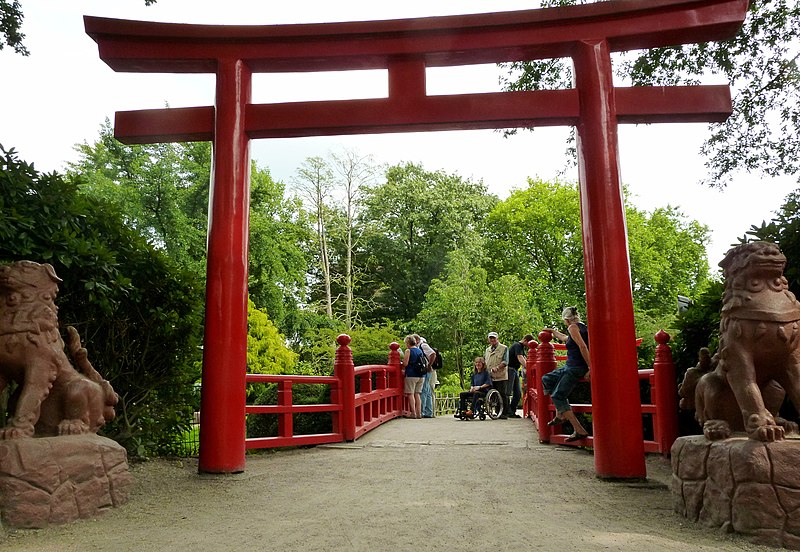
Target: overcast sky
x,y
62,92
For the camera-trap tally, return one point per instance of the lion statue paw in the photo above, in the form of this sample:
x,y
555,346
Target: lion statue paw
x,y
72,427
716,430
789,428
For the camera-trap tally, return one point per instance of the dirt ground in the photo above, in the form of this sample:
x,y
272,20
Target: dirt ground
x,y
408,485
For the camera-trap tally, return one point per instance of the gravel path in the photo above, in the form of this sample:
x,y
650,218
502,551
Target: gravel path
x,y
409,485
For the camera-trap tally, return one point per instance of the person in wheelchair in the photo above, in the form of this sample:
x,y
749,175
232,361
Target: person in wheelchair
x,y
480,384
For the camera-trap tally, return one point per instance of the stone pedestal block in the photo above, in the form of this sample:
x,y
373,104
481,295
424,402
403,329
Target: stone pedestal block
x,y
741,485
53,480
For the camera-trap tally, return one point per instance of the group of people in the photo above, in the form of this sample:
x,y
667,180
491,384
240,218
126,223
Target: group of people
x,y
500,366
420,381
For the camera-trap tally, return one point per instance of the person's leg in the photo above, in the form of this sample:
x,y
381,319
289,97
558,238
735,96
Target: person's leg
x,y
427,399
569,379
417,393
550,380
578,429
515,393
432,382
409,385
462,401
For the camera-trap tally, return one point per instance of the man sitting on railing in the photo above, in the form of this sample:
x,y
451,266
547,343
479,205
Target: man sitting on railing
x,y
480,383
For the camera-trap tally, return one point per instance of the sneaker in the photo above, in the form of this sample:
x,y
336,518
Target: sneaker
x,y
503,417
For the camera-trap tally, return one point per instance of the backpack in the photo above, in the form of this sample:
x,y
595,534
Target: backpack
x,y
421,364
438,362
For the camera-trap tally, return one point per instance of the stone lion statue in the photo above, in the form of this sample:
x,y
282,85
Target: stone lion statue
x,y
52,397
758,361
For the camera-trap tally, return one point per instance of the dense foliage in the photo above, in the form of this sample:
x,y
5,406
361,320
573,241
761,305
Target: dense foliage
x,y
760,62
138,313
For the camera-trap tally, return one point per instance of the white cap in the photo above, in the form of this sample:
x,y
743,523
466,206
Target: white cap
x,y
492,334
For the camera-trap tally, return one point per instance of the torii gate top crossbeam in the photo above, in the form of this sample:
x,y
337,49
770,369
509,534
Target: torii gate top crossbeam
x,y
406,47
138,46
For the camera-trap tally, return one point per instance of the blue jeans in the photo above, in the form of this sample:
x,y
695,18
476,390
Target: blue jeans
x,y
427,396
559,384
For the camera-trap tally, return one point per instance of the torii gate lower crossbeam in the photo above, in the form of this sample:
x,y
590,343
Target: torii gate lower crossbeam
x,y
586,33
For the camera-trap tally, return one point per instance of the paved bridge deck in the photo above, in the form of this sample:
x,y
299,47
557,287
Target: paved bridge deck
x,y
408,485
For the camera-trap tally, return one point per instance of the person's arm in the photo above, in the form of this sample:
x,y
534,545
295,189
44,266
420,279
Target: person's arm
x,y
575,334
557,334
406,356
504,362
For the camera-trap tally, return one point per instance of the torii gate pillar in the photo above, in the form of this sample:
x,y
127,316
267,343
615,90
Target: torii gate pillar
x,y
225,341
609,299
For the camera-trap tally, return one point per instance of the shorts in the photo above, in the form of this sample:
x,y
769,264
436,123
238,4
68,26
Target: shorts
x,y
413,385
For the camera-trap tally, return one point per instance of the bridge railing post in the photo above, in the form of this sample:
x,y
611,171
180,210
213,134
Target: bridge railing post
x,y
665,396
344,370
545,363
396,377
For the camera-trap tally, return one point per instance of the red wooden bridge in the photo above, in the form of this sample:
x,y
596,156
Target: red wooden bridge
x,y
364,397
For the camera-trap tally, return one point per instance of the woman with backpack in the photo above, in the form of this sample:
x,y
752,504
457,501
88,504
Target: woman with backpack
x,y
414,368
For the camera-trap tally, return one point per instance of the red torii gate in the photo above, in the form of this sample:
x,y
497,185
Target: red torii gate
x,y
587,34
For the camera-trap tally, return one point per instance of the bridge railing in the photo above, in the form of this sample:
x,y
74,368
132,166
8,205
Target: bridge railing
x,y
659,415
362,398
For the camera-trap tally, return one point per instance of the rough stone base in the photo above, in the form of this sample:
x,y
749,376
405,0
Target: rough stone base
x,y
740,485
54,480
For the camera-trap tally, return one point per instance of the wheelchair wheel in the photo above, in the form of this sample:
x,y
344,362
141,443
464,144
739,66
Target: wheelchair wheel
x,y
494,404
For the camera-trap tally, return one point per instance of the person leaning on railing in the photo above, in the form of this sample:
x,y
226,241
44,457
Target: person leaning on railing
x,y
560,382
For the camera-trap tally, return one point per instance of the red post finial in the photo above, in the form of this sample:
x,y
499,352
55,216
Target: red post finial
x,y
344,370
666,393
545,336
394,345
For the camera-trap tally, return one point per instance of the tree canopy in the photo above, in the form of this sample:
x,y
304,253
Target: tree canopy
x,y
139,314
760,62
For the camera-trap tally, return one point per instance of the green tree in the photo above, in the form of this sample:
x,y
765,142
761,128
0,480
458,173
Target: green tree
x,y
314,183
266,349
784,231
138,313
11,26
154,188
415,219
536,234
760,62
163,190
668,258
451,316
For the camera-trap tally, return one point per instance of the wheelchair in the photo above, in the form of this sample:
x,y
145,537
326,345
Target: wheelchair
x,y
490,405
